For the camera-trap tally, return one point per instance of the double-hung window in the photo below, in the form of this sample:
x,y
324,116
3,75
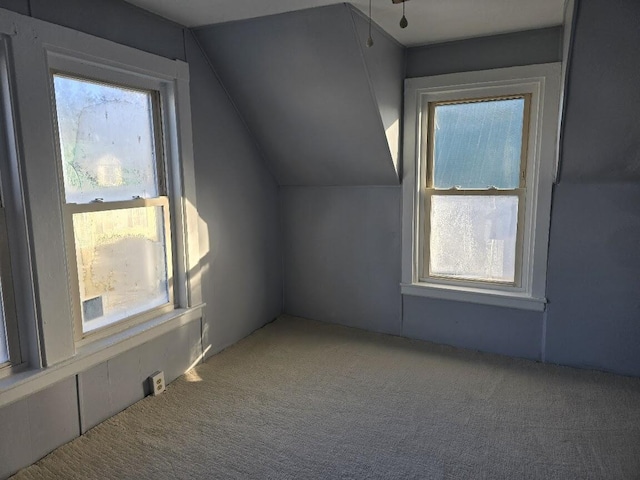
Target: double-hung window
x,y
9,339
480,154
97,186
117,221
125,184
475,189
13,355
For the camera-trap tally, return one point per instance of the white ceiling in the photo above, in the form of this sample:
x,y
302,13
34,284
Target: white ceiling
x,y
429,20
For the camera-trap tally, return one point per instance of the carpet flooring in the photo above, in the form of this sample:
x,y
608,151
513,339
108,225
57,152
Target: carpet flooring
x,y
306,400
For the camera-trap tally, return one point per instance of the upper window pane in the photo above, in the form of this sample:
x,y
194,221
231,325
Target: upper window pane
x,y
478,145
106,140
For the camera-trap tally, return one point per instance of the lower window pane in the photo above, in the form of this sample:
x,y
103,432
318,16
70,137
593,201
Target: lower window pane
x,y
473,237
122,263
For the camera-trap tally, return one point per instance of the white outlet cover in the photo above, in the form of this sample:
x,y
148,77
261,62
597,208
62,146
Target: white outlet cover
x,y
156,383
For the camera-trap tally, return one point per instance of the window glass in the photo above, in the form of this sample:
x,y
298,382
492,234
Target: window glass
x,y
106,141
478,145
473,237
122,263
4,350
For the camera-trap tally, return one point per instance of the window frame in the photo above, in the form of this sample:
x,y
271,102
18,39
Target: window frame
x,y
167,125
542,83
15,266
75,70
29,49
81,337
429,191
7,299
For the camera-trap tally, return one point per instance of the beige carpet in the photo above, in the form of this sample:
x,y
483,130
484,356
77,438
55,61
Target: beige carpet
x,y
300,399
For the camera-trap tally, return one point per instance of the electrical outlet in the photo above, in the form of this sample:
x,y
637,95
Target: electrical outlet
x,y
156,383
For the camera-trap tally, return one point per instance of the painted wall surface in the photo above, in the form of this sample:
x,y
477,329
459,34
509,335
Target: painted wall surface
x,y
594,259
385,68
239,220
37,425
117,21
112,386
341,264
301,84
341,255
593,316
601,138
506,331
593,284
19,6
240,260
509,50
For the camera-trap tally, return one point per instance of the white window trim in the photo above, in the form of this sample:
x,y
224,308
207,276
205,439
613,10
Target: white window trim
x,y
543,82
77,65
22,337
44,301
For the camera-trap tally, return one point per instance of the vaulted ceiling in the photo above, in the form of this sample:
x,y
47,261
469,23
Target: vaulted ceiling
x,y
324,108
430,21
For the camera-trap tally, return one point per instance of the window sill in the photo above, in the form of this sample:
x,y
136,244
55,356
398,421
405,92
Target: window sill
x,y
20,385
475,295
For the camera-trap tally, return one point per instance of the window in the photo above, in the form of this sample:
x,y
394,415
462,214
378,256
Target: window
x,y
9,348
117,209
475,187
480,151
12,334
126,190
97,187
5,357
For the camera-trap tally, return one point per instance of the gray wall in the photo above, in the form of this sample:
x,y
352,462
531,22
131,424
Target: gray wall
x,y
342,255
307,96
509,50
479,327
601,138
114,20
37,425
593,283
385,68
594,260
238,207
341,245
238,233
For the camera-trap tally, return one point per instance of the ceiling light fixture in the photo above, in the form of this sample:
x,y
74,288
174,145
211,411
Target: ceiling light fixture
x,y
403,20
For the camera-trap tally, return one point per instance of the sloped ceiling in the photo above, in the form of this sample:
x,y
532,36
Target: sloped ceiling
x,y
324,110
430,21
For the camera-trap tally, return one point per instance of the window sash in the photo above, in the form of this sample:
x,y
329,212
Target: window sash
x,y
157,116
425,238
8,302
72,265
69,209
428,190
427,150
